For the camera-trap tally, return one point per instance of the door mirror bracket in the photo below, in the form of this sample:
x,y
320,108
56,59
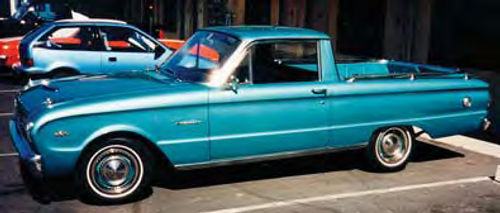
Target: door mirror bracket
x,y
233,85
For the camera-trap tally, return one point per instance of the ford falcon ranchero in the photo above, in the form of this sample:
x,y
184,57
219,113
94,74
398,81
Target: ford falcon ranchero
x,y
256,93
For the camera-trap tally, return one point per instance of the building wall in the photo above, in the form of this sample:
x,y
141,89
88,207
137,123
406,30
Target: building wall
x,y
465,34
439,32
407,30
8,8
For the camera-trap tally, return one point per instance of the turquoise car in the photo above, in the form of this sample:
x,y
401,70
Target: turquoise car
x,y
233,95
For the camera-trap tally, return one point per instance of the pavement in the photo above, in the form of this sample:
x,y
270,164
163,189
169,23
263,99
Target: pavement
x,y
452,174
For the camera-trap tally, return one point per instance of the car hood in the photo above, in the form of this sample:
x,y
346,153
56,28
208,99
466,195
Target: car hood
x,y
46,95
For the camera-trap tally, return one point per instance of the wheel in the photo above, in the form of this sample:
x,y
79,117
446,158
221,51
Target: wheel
x,y
21,78
390,149
115,170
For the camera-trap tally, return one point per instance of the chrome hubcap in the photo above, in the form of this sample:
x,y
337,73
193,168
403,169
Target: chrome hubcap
x,y
114,171
393,146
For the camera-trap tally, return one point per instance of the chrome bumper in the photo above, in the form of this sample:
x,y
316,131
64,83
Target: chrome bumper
x,y
28,157
486,124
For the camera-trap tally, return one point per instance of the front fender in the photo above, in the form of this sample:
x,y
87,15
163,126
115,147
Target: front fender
x,y
116,128
61,154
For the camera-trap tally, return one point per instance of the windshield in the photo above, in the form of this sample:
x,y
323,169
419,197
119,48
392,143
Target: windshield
x,y
203,54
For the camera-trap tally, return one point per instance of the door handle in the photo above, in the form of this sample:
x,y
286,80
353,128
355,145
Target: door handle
x,y
319,91
112,59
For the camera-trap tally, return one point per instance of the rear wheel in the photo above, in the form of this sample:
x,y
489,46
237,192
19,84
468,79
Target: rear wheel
x,y
116,170
390,148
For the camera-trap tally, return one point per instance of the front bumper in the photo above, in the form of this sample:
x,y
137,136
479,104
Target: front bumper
x,y
31,162
486,125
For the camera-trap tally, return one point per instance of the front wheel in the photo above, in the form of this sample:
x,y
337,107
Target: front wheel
x,y
390,148
21,78
115,170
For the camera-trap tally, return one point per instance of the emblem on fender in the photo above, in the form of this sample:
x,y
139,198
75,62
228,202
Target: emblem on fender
x,y
188,122
61,133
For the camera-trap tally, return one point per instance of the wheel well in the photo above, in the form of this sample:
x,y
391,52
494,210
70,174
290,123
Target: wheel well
x,y
66,70
414,130
158,155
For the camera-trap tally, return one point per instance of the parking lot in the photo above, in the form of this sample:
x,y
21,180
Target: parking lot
x,y
452,176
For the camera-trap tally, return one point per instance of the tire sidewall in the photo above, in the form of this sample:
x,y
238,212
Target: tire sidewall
x,y
88,191
374,159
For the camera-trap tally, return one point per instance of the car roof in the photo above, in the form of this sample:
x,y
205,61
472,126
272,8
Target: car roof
x,y
269,32
90,21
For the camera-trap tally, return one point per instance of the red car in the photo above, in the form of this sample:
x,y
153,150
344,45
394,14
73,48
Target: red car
x,y
9,51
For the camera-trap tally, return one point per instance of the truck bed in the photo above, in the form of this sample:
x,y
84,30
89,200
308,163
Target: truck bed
x,y
385,67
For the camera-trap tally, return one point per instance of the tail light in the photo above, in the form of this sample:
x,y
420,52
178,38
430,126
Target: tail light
x,y
29,62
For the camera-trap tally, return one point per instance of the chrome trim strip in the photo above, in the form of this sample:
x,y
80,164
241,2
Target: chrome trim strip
x,y
267,157
328,128
409,92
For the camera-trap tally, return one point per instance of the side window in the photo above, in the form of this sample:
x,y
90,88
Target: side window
x,y
120,39
244,70
69,38
280,62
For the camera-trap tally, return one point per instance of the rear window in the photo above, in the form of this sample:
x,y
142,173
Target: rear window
x,y
30,36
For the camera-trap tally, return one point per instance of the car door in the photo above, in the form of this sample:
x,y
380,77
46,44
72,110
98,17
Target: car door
x,y
72,47
127,49
279,106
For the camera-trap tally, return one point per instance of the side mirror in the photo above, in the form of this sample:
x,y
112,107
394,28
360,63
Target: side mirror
x,y
233,85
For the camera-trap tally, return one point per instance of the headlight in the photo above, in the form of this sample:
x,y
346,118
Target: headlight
x,y
5,47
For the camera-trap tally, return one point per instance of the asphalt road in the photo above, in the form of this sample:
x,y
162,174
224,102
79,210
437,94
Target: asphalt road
x,y
440,178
